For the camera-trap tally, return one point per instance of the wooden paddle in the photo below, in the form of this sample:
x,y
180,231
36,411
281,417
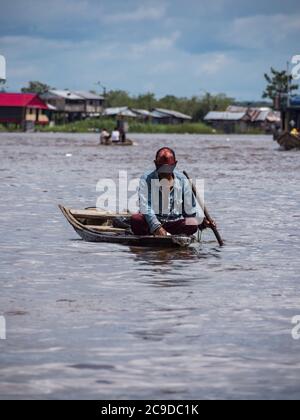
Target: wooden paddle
x,y
205,211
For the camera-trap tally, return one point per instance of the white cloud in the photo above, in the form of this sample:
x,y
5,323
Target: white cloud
x,y
162,67
26,61
158,44
213,64
142,13
163,42
155,64
137,64
33,43
26,71
262,31
37,12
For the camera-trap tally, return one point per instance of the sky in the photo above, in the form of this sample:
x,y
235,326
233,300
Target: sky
x,y
178,47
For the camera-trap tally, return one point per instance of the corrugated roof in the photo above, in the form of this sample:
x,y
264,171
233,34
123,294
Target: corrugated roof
x,y
224,116
267,115
142,112
66,94
261,116
235,108
253,114
22,100
264,108
176,114
88,95
157,115
51,107
115,111
274,117
122,111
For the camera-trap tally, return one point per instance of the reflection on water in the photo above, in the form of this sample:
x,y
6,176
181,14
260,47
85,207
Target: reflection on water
x,y
162,267
107,321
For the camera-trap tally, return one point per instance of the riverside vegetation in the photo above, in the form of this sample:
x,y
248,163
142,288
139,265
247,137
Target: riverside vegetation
x,y
91,125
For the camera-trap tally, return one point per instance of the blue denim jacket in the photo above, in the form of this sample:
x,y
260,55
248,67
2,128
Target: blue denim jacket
x,y
179,204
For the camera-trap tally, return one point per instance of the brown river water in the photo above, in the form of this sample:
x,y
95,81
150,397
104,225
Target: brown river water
x,y
101,321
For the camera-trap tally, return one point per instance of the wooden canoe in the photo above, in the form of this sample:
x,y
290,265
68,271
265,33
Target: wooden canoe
x,y
94,226
288,142
120,144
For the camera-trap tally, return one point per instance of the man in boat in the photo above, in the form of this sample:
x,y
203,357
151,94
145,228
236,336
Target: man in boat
x,y
295,132
115,135
104,137
167,203
123,129
293,129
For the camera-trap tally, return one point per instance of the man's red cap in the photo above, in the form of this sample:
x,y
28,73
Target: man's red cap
x,y
165,157
165,161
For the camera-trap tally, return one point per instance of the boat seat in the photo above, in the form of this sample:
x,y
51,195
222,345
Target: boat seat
x,y
94,214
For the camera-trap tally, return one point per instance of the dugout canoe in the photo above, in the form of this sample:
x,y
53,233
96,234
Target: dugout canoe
x,y
288,141
128,142
95,226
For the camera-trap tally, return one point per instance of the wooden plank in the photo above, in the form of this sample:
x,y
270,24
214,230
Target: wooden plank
x,y
95,214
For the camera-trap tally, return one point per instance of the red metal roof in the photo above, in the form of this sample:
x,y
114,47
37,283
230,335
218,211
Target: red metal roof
x,y
22,100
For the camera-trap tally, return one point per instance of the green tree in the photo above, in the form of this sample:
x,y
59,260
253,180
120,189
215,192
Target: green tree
x,y
36,87
145,101
202,106
279,84
196,107
170,102
118,98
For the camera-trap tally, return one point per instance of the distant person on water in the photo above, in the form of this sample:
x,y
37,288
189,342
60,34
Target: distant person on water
x,y
295,132
167,203
123,129
115,136
104,136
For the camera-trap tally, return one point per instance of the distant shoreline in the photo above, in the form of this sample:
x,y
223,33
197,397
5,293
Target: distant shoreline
x,y
90,126
95,126
133,133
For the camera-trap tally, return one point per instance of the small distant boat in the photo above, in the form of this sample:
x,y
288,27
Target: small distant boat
x,y
128,142
289,141
95,226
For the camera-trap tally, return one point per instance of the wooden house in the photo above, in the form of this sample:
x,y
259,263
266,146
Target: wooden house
x,y
93,103
73,106
168,116
229,122
66,106
25,110
242,120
